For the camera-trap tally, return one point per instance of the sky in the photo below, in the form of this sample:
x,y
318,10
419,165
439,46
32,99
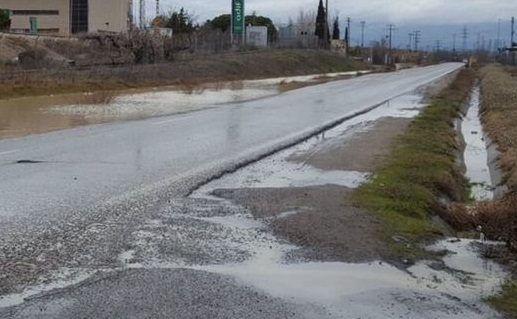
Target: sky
x,y
437,19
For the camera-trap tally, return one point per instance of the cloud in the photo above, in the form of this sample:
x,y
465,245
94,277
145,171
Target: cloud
x,y
425,12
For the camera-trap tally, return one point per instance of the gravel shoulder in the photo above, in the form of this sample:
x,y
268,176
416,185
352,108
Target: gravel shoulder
x,y
322,220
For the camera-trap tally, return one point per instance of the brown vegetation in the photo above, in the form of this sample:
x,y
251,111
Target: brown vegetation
x,y
188,71
499,115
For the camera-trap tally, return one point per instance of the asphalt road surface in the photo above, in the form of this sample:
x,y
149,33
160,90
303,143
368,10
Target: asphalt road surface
x,y
72,199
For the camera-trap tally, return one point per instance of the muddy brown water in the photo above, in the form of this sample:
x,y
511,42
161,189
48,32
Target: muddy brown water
x,y
36,115
32,115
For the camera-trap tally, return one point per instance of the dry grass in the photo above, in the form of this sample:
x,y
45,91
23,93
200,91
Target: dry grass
x,y
190,73
499,115
499,217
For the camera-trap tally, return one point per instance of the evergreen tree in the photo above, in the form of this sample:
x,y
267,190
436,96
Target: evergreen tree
x,y
181,22
224,22
321,23
335,31
255,20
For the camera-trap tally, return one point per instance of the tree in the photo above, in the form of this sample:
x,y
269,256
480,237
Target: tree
x,y
159,21
335,31
181,22
224,23
5,20
254,20
306,20
322,27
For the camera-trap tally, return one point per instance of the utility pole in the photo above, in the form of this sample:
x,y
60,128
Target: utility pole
x,y
417,34
499,34
464,36
454,47
438,44
130,16
142,14
327,35
410,44
512,44
363,23
348,20
157,8
391,28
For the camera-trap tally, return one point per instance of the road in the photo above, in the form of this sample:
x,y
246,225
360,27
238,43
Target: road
x,y
70,199
83,166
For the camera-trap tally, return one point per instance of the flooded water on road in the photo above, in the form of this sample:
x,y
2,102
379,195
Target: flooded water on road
x,y
43,114
25,116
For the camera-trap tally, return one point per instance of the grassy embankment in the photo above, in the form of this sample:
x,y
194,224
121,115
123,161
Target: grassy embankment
x,y
499,217
421,175
187,73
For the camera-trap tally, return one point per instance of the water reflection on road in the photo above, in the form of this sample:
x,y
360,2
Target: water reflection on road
x,y
43,114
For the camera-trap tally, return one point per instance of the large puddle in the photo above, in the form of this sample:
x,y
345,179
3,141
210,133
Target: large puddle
x,y
35,115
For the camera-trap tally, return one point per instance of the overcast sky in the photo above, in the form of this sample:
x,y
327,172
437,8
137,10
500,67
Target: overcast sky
x,y
481,16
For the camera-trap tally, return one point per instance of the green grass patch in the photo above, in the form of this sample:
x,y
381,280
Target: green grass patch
x,y
421,171
506,301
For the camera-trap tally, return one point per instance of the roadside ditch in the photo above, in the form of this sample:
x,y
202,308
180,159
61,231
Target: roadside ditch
x,y
443,178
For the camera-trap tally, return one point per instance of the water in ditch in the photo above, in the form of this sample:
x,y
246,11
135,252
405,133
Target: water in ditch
x,y
476,153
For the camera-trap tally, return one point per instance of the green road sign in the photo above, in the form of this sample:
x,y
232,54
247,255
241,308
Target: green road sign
x,y
238,17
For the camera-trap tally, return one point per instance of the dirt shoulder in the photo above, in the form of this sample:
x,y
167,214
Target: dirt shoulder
x,y
322,220
361,152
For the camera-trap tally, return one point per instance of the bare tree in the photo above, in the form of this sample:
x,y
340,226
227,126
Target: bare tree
x,y
306,20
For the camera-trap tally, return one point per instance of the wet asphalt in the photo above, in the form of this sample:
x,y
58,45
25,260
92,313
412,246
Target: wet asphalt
x,y
111,199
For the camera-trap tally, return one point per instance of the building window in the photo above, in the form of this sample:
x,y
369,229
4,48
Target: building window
x,y
35,12
79,16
